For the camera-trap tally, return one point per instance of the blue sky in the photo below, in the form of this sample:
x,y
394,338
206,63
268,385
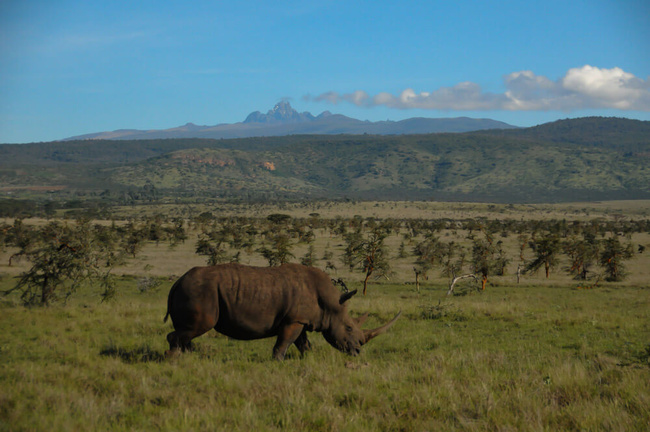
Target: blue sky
x,y
74,67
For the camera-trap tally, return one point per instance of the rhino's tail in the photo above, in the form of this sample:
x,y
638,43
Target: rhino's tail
x,y
169,299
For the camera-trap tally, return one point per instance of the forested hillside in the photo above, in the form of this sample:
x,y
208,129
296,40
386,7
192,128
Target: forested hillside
x,y
569,160
603,132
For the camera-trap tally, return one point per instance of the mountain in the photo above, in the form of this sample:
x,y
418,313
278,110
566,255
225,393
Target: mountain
x,y
282,113
284,120
584,159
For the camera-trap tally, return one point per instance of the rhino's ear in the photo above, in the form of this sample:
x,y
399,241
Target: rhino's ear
x,y
346,296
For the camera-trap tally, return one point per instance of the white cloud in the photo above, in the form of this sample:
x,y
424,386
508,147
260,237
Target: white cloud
x,y
580,88
358,97
614,88
331,97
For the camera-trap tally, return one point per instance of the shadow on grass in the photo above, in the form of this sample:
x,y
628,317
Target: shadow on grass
x,y
143,354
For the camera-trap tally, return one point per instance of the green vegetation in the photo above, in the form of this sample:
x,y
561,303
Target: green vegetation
x,y
541,354
571,160
523,358
62,257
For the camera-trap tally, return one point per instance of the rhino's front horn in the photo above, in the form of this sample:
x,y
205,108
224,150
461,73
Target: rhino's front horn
x,y
369,334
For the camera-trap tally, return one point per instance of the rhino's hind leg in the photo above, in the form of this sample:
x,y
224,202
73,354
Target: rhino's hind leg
x,y
288,334
192,325
180,340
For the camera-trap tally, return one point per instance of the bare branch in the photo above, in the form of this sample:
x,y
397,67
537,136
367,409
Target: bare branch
x,y
458,278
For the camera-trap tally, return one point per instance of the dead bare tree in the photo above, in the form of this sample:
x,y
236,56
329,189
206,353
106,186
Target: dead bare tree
x,y
459,278
418,273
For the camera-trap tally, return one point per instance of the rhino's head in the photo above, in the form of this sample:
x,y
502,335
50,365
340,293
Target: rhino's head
x,y
344,332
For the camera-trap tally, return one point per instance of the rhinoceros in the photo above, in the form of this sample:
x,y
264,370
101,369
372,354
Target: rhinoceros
x,y
245,302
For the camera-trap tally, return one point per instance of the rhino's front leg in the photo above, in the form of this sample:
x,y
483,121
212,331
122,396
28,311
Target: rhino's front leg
x,y
287,335
302,343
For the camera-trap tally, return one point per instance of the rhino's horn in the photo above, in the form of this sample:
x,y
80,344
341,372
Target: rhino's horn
x,y
369,334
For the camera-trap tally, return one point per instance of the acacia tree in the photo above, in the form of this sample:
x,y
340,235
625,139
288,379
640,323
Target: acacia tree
x,y
20,236
4,231
546,252
453,260
429,252
353,243
133,239
106,239
582,254
64,257
213,249
309,259
176,233
612,259
501,260
213,239
369,254
153,229
279,251
483,257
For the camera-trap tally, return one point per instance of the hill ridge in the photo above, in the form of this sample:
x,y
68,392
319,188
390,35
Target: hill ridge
x,y
575,160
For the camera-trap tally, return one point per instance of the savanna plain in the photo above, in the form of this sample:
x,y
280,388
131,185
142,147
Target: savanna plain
x,y
530,354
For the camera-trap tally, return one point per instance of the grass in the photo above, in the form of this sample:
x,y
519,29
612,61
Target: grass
x,y
409,209
541,355
534,358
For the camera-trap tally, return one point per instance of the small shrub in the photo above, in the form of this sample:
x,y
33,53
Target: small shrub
x,y
443,310
148,284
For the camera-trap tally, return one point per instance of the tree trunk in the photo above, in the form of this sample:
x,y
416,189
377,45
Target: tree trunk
x,y
365,281
417,279
46,293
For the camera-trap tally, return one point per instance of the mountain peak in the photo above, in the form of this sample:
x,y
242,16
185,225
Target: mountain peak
x,y
282,107
282,113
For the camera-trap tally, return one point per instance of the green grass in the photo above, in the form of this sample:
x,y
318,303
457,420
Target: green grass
x,y
511,358
541,355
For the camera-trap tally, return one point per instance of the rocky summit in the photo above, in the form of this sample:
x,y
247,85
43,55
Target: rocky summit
x,y
282,113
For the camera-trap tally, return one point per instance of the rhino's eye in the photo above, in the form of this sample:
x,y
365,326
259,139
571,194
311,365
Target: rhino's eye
x,y
348,328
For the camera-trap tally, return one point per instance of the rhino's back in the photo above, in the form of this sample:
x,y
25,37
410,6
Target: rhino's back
x,y
252,302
